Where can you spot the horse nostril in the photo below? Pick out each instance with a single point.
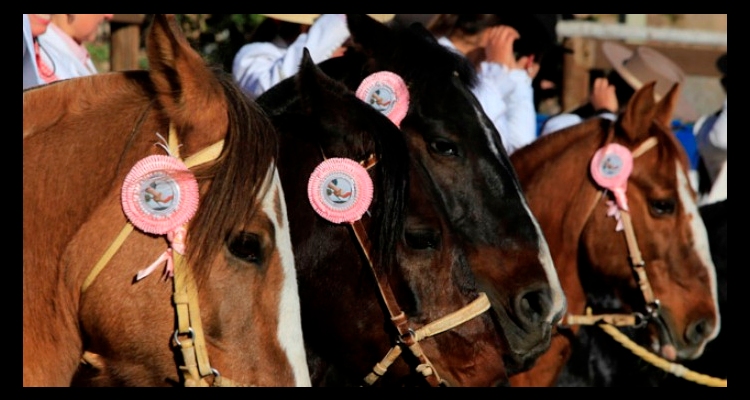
(533, 306)
(698, 331)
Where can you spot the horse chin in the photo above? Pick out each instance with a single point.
(663, 343)
(523, 347)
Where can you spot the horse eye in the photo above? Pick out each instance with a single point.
(444, 147)
(662, 207)
(246, 246)
(422, 239)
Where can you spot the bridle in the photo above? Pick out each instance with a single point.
(652, 304)
(196, 368)
(407, 336)
(610, 322)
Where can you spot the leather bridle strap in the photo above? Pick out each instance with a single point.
(473, 309)
(398, 318)
(185, 297)
(637, 263)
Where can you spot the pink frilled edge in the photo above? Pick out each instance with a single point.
(159, 194)
(387, 93)
(340, 190)
(611, 167)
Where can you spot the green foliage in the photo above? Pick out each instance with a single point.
(218, 37)
(99, 52)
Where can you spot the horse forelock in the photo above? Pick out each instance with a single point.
(236, 177)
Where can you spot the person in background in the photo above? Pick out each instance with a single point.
(33, 26)
(631, 69)
(711, 138)
(276, 47)
(506, 50)
(63, 45)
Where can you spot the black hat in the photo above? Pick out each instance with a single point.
(538, 32)
(721, 63)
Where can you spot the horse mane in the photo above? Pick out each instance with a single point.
(421, 56)
(250, 148)
(310, 95)
(551, 146)
(418, 58)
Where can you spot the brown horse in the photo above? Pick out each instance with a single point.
(388, 297)
(233, 315)
(461, 156)
(628, 244)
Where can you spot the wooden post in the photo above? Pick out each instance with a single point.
(576, 66)
(125, 41)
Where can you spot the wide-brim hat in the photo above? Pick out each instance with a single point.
(643, 65)
(308, 19)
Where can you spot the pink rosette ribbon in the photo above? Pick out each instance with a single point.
(387, 93)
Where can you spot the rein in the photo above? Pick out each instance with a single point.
(406, 335)
(196, 367)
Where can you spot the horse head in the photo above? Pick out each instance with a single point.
(173, 168)
(370, 286)
(621, 219)
(668, 232)
(460, 152)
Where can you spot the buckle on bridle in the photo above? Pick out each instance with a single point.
(653, 308)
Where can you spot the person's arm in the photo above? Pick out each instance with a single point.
(517, 120)
(718, 133)
(604, 99)
(30, 73)
(258, 66)
(558, 122)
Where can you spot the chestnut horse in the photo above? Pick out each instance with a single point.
(461, 153)
(387, 295)
(623, 226)
(123, 167)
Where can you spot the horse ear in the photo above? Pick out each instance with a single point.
(185, 86)
(317, 90)
(666, 106)
(367, 34)
(637, 117)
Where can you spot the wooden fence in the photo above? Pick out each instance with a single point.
(695, 51)
(125, 30)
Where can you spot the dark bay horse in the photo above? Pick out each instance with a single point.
(372, 286)
(171, 165)
(461, 154)
(623, 226)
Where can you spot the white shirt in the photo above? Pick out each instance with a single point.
(564, 120)
(711, 140)
(507, 97)
(64, 55)
(258, 66)
(30, 72)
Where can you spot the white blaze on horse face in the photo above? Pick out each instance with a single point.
(700, 239)
(290, 320)
(545, 256)
(559, 300)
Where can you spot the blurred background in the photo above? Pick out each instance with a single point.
(693, 41)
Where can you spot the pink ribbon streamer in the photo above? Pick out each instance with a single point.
(177, 243)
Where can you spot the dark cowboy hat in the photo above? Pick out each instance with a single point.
(538, 32)
(721, 64)
(644, 64)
